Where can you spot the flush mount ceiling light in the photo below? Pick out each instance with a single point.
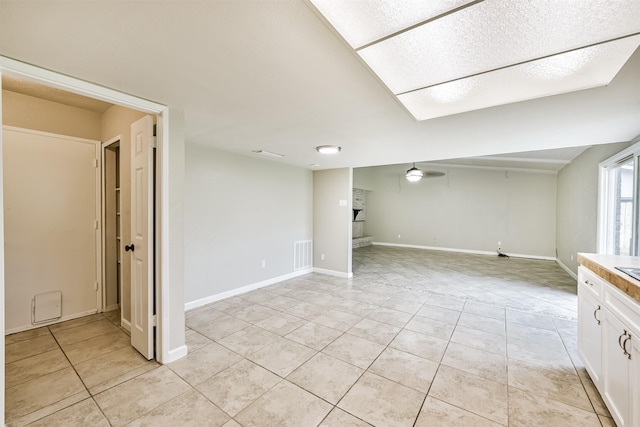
(460, 53)
(414, 174)
(328, 149)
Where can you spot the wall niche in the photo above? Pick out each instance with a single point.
(359, 217)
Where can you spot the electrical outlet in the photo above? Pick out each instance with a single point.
(571, 257)
(499, 245)
(264, 264)
(321, 257)
(399, 236)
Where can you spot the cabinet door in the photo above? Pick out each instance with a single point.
(635, 381)
(616, 375)
(590, 334)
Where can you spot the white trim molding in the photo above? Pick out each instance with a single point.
(53, 322)
(465, 251)
(342, 274)
(244, 289)
(567, 269)
(15, 68)
(177, 353)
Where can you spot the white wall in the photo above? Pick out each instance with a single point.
(468, 208)
(332, 216)
(239, 211)
(170, 204)
(577, 203)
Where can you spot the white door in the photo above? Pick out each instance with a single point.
(51, 204)
(142, 245)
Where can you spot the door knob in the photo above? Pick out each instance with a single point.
(130, 247)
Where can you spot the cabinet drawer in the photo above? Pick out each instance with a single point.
(591, 281)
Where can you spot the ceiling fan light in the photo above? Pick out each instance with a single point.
(414, 174)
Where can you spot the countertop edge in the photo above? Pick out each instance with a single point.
(603, 266)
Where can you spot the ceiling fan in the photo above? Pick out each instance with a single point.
(414, 174)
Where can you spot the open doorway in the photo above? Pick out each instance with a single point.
(128, 229)
(169, 161)
(51, 217)
(112, 297)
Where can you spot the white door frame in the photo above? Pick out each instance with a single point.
(164, 308)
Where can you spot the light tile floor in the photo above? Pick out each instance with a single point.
(415, 338)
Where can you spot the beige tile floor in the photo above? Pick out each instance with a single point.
(415, 338)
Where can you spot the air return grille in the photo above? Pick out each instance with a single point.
(302, 254)
(46, 307)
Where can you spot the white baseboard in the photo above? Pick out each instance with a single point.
(243, 290)
(176, 353)
(39, 325)
(567, 269)
(464, 251)
(125, 324)
(342, 274)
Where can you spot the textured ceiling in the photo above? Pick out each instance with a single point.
(444, 57)
(272, 75)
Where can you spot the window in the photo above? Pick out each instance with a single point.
(618, 202)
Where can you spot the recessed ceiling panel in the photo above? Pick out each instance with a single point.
(494, 34)
(362, 22)
(575, 70)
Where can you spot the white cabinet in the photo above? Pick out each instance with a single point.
(608, 344)
(616, 381)
(590, 332)
(635, 381)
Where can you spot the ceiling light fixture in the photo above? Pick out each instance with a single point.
(414, 174)
(328, 149)
(268, 154)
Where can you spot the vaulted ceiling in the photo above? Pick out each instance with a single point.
(274, 75)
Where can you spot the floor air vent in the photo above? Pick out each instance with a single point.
(302, 254)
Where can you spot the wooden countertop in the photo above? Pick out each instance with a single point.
(604, 266)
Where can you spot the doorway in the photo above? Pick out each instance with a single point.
(112, 295)
(128, 229)
(168, 247)
(66, 199)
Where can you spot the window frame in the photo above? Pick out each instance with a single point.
(605, 239)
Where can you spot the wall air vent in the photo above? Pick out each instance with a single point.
(302, 254)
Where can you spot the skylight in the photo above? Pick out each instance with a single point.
(442, 57)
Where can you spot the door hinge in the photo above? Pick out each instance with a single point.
(154, 320)
(152, 142)
(96, 286)
(96, 224)
(95, 163)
